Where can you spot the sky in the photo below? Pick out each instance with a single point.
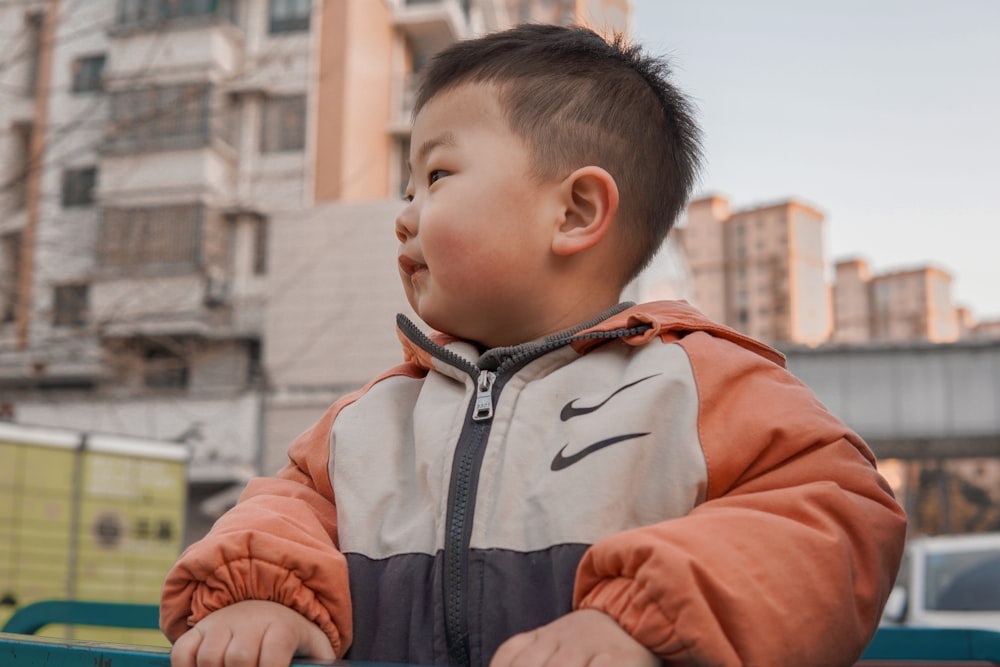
(883, 114)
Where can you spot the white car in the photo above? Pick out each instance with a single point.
(948, 581)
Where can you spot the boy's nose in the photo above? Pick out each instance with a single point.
(406, 223)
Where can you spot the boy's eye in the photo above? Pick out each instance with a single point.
(435, 175)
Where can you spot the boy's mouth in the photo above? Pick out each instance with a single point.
(409, 266)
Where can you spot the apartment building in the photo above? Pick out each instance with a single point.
(905, 305)
(164, 166)
(341, 252)
(760, 270)
(145, 145)
(605, 16)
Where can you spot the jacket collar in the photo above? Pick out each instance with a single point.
(633, 324)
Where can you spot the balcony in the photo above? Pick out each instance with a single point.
(202, 172)
(430, 25)
(167, 270)
(169, 140)
(138, 15)
(153, 118)
(202, 38)
(150, 277)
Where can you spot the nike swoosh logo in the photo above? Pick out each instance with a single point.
(568, 411)
(560, 462)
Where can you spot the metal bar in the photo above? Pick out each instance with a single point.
(30, 619)
(951, 644)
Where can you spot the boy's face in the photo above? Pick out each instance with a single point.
(475, 239)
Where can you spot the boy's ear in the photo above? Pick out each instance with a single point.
(590, 202)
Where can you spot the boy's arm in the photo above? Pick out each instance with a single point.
(279, 544)
(792, 555)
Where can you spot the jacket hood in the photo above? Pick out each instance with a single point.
(672, 320)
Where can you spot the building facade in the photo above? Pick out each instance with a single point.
(760, 270)
(161, 164)
(905, 305)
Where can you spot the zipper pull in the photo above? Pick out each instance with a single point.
(484, 396)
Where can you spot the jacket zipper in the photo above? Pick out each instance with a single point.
(461, 507)
(484, 396)
(466, 468)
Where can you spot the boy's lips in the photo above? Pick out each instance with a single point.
(410, 266)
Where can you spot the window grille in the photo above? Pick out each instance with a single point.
(162, 236)
(78, 186)
(87, 73)
(163, 367)
(149, 13)
(69, 307)
(159, 118)
(283, 124)
(10, 268)
(289, 15)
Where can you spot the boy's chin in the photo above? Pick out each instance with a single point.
(448, 327)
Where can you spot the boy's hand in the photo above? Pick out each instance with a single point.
(251, 633)
(585, 638)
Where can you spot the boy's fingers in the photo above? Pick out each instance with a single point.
(276, 651)
(529, 649)
(212, 650)
(280, 643)
(185, 649)
(504, 657)
(314, 643)
(242, 652)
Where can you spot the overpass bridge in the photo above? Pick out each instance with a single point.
(912, 400)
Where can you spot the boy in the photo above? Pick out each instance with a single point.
(555, 479)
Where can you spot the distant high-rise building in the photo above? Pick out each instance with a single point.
(913, 304)
(760, 270)
(852, 304)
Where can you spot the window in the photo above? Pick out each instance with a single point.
(162, 236)
(78, 186)
(404, 165)
(132, 12)
(289, 15)
(260, 246)
(19, 186)
(147, 13)
(255, 367)
(163, 367)
(87, 73)
(159, 118)
(33, 27)
(283, 124)
(10, 269)
(170, 9)
(69, 305)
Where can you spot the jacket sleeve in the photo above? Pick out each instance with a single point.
(278, 543)
(790, 558)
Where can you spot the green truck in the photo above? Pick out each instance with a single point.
(88, 516)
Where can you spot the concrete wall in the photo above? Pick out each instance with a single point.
(334, 295)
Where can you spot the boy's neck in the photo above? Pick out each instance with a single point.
(569, 318)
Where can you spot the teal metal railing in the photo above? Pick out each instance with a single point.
(20, 647)
(33, 617)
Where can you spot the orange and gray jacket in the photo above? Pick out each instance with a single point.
(651, 465)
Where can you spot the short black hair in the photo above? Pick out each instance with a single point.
(578, 99)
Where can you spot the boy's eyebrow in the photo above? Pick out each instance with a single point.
(446, 138)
